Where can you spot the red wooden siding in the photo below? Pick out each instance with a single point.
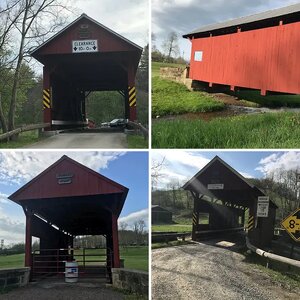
(107, 41)
(265, 59)
(83, 183)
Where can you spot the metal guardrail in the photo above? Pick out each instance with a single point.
(23, 129)
(275, 257)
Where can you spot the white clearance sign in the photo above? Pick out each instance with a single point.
(84, 46)
(262, 207)
(215, 186)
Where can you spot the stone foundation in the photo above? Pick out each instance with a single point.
(10, 278)
(131, 280)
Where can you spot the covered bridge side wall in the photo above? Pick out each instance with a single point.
(266, 59)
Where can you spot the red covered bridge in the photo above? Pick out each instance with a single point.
(64, 201)
(83, 57)
(257, 52)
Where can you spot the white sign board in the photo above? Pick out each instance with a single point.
(84, 46)
(215, 186)
(198, 56)
(262, 207)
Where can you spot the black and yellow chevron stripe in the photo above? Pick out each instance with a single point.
(132, 96)
(195, 219)
(250, 223)
(46, 98)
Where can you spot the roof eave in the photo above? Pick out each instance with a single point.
(32, 53)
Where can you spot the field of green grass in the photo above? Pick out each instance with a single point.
(272, 130)
(171, 227)
(172, 98)
(135, 258)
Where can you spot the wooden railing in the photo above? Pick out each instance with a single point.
(140, 127)
(24, 128)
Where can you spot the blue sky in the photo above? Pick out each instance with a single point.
(16, 168)
(179, 165)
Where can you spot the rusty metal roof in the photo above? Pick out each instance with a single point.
(288, 10)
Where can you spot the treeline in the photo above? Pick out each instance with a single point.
(135, 236)
(282, 187)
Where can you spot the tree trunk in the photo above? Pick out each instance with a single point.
(2, 118)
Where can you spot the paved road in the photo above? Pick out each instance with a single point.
(201, 271)
(62, 291)
(103, 140)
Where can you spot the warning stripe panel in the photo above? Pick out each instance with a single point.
(46, 98)
(250, 223)
(132, 96)
(195, 219)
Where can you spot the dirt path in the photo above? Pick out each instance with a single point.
(62, 291)
(201, 271)
(103, 140)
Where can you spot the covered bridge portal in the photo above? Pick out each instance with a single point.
(255, 52)
(85, 56)
(64, 201)
(223, 195)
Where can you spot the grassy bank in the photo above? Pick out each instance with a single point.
(269, 101)
(135, 258)
(274, 130)
(136, 142)
(172, 98)
(24, 139)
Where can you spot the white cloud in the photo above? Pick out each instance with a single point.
(19, 167)
(280, 162)
(135, 216)
(11, 231)
(3, 198)
(129, 18)
(179, 166)
(246, 175)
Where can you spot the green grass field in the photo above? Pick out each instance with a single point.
(135, 258)
(273, 130)
(172, 98)
(172, 227)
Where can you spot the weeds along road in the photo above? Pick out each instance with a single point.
(103, 140)
(201, 271)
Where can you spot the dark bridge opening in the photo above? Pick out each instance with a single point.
(227, 198)
(71, 72)
(65, 201)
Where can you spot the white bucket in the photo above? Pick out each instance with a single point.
(71, 273)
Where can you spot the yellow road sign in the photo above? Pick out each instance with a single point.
(292, 225)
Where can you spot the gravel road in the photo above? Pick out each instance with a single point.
(79, 291)
(103, 140)
(201, 271)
